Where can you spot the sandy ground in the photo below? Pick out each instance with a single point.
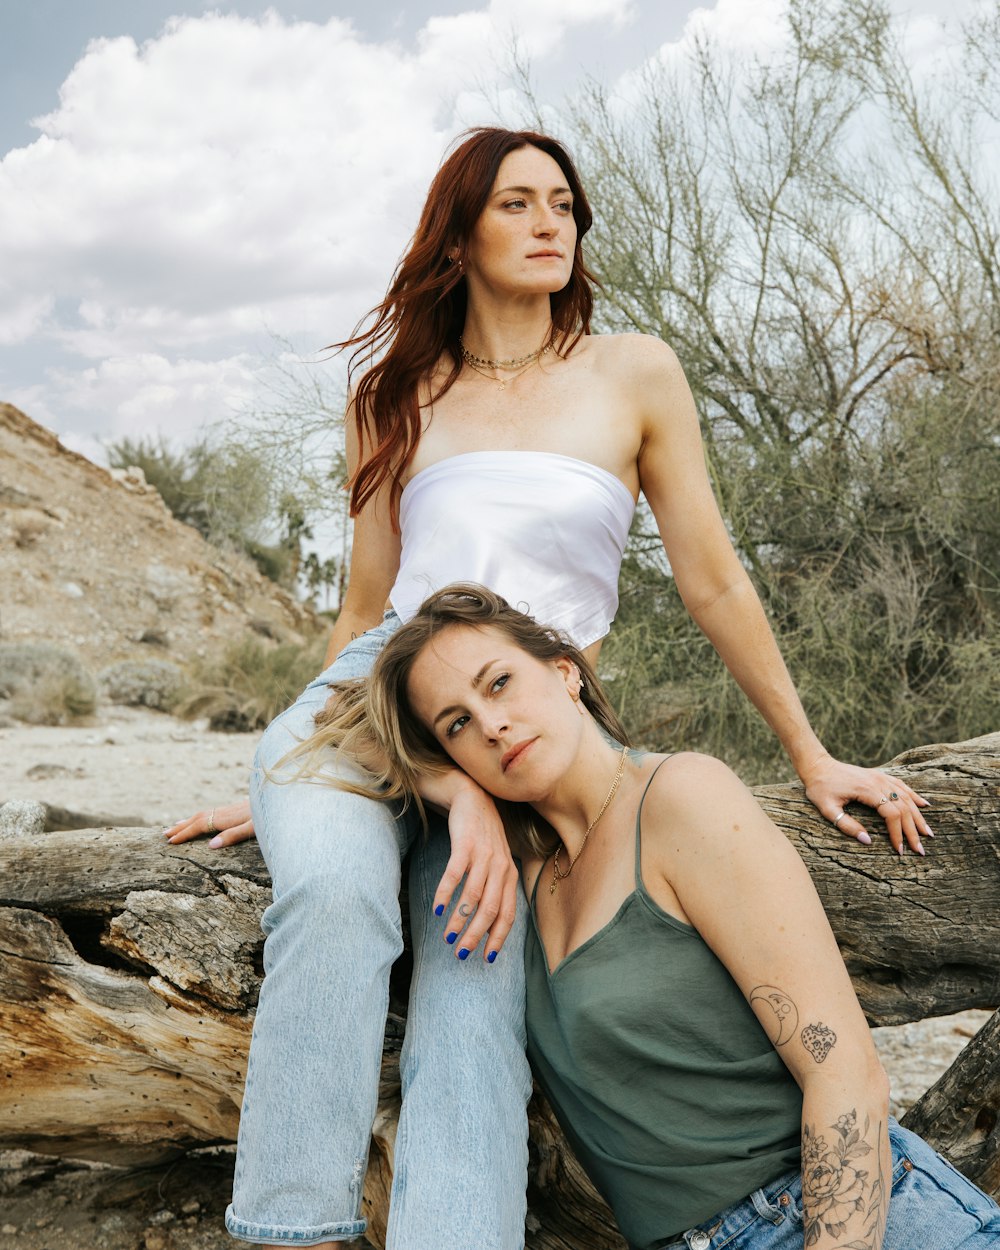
(131, 762)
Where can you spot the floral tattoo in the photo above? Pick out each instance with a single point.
(833, 1185)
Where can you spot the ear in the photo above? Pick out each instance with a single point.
(571, 675)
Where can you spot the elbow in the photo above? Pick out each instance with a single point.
(877, 1083)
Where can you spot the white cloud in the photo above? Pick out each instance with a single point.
(233, 174)
(141, 393)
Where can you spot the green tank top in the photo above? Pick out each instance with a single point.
(661, 1076)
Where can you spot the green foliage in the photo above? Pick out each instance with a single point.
(818, 240)
(156, 684)
(46, 684)
(246, 685)
(228, 492)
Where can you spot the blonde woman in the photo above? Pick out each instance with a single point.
(688, 1012)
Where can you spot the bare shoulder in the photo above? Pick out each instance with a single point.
(696, 799)
(640, 356)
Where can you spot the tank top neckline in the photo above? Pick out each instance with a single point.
(638, 891)
(522, 451)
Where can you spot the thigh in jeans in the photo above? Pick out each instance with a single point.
(931, 1207)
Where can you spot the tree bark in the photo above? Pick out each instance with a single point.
(129, 972)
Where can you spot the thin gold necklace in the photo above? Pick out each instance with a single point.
(557, 874)
(484, 362)
(502, 382)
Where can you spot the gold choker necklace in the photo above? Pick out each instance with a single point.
(483, 362)
(557, 873)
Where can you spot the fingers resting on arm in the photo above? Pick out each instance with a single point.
(226, 825)
(481, 864)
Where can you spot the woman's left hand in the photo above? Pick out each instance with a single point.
(831, 783)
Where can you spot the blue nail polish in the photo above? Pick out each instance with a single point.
(491, 956)
(439, 910)
(450, 939)
(463, 953)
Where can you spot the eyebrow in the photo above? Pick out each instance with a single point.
(447, 711)
(533, 190)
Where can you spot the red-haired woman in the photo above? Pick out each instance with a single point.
(495, 441)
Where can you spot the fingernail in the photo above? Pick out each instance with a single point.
(439, 910)
(920, 850)
(215, 842)
(491, 956)
(902, 847)
(463, 953)
(450, 939)
(865, 838)
(928, 831)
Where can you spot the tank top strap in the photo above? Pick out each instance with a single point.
(640, 887)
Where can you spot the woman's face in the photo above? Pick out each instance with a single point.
(505, 718)
(524, 240)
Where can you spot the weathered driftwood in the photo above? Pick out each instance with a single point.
(129, 971)
(960, 1113)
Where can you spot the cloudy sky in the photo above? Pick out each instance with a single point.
(183, 187)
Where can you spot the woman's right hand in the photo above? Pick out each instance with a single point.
(481, 854)
(229, 825)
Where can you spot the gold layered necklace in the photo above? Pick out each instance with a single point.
(557, 873)
(521, 363)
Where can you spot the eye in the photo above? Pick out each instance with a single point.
(564, 206)
(456, 726)
(498, 683)
(517, 203)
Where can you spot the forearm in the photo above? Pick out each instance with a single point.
(441, 790)
(846, 1163)
(349, 624)
(736, 625)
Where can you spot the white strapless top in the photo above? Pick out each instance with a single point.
(546, 531)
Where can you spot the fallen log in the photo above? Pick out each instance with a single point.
(130, 971)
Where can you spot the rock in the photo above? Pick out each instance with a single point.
(130, 561)
(50, 772)
(21, 817)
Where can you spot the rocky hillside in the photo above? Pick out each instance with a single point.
(94, 561)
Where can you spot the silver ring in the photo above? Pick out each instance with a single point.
(883, 799)
(838, 819)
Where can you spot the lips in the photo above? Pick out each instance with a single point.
(545, 256)
(514, 754)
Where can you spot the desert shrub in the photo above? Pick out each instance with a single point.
(46, 685)
(817, 239)
(247, 684)
(156, 684)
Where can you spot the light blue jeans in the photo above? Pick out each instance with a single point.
(333, 932)
(932, 1207)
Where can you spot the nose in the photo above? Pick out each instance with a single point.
(546, 223)
(494, 726)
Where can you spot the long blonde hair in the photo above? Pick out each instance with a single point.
(371, 720)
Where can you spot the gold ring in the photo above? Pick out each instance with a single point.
(212, 827)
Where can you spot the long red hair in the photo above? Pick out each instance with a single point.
(423, 313)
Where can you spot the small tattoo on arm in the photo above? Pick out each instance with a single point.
(818, 1040)
(778, 1014)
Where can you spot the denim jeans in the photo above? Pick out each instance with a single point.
(932, 1207)
(332, 932)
